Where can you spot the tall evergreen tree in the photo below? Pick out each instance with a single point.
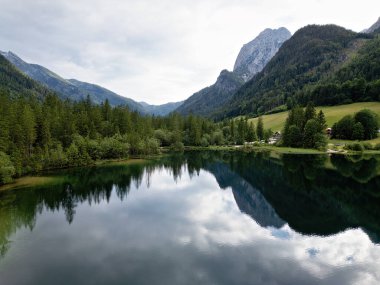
(260, 128)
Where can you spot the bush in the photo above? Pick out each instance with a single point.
(7, 170)
(57, 157)
(205, 140)
(367, 146)
(355, 147)
(163, 136)
(113, 148)
(377, 146)
(177, 147)
(152, 146)
(217, 138)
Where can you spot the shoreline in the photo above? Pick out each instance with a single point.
(34, 178)
(42, 177)
(280, 150)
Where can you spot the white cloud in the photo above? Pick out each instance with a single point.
(156, 51)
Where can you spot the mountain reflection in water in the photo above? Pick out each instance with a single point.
(320, 206)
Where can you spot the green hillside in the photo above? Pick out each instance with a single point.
(327, 65)
(333, 114)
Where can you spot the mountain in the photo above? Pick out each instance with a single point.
(207, 100)
(248, 198)
(252, 58)
(160, 110)
(69, 89)
(77, 90)
(311, 56)
(14, 81)
(98, 94)
(254, 55)
(375, 27)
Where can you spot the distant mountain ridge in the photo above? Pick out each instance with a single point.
(160, 110)
(252, 58)
(77, 90)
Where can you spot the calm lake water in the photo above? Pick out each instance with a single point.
(198, 218)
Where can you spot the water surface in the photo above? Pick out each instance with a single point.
(198, 218)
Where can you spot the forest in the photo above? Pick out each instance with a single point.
(48, 133)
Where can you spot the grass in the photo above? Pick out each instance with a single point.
(335, 141)
(333, 114)
(259, 148)
(28, 181)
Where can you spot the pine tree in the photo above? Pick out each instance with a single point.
(310, 112)
(28, 126)
(321, 121)
(260, 128)
(251, 134)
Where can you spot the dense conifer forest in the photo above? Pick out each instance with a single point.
(38, 130)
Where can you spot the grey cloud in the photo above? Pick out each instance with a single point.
(155, 50)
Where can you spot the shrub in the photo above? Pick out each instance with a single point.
(163, 136)
(367, 146)
(205, 141)
(57, 157)
(113, 148)
(355, 147)
(177, 147)
(7, 169)
(377, 146)
(152, 146)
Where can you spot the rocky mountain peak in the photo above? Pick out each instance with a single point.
(254, 55)
(227, 81)
(373, 28)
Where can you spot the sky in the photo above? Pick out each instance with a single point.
(157, 51)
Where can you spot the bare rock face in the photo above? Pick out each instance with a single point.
(251, 60)
(373, 28)
(254, 55)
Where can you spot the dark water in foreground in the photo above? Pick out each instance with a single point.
(198, 218)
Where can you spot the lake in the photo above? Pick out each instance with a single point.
(197, 218)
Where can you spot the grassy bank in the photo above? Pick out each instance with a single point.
(280, 150)
(47, 176)
(259, 148)
(333, 114)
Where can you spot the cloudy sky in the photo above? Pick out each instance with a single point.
(157, 51)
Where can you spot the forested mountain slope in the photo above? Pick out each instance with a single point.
(210, 98)
(17, 84)
(314, 55)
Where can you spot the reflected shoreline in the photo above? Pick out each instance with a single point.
(315, 194)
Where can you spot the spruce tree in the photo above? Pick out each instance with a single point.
(260, 128)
